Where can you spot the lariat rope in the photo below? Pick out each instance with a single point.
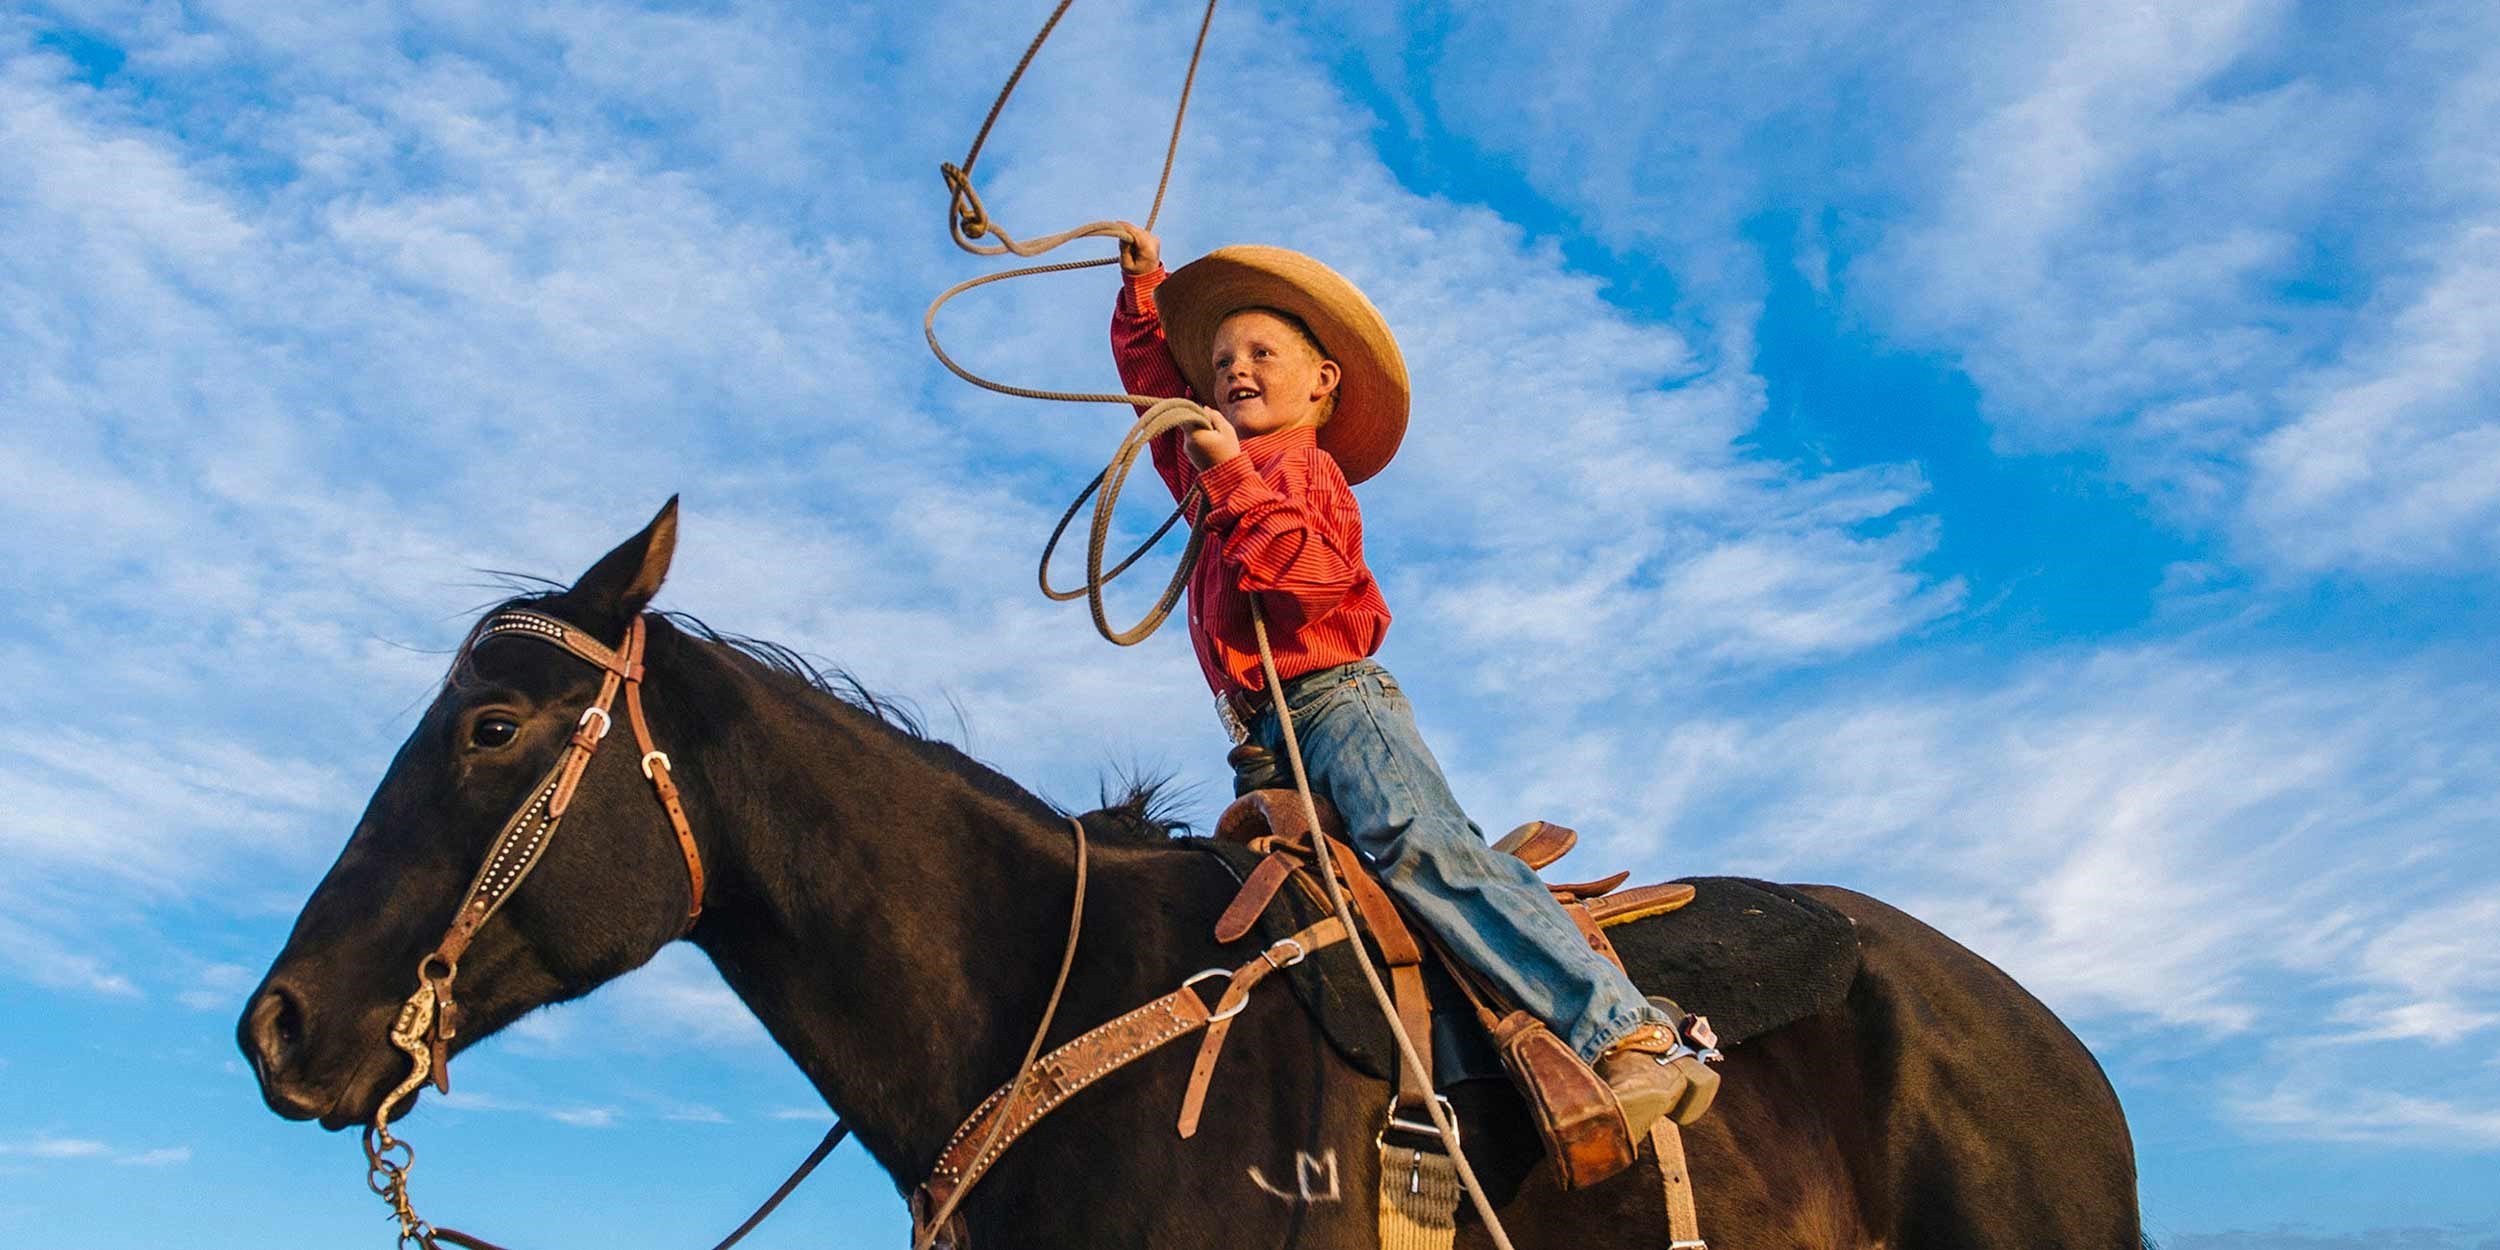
(968, 221)
(1441, 1123)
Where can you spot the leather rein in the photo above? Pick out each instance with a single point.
(430, 1018)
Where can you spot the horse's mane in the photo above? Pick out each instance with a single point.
(1137, 807)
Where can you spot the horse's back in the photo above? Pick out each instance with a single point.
(1936, 1105)
(1986, 1122)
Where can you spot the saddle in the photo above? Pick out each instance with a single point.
(1575, 1113)
(1761, 955)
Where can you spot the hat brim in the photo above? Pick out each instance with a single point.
(1372, 390)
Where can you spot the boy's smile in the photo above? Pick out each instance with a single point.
(1268, 376)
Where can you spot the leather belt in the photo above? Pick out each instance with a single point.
(1240, 709)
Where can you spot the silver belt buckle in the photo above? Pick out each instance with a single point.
(1233, 726)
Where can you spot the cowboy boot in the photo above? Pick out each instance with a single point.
(1653, 1073)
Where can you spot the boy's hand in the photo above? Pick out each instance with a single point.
(1209, 448)
(1141, 252)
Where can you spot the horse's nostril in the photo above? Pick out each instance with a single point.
(277, 1025)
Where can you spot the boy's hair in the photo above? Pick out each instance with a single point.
(1328, 406)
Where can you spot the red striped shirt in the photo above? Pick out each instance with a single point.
(1284, 526)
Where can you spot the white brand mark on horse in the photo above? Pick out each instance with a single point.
(1315, 1179)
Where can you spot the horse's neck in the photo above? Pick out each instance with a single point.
(896, 930)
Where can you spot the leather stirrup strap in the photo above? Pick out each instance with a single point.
(1666, 1143)
(1399, 949)
(1388, 926)
(1404, 954)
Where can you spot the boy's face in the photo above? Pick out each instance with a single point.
(1267, 378)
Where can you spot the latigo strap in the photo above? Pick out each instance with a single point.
(1015, 1107)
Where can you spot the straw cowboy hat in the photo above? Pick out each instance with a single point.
(1372, 392)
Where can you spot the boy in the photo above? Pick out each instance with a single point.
(1312, 392)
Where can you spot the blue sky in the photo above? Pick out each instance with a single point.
(2034, 463)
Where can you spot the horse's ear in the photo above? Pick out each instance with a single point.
(621, 584)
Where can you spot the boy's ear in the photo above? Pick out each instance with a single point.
(1329, 376)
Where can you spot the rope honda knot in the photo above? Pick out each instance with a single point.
(971, 219)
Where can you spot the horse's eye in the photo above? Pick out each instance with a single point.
(493, 731)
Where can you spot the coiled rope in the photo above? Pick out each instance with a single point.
(968, 223)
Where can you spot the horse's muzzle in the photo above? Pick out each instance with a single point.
(272, 1035)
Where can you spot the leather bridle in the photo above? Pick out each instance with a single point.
(524, 838)
(430, 1018)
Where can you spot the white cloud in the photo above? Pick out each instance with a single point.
(2434, 973)
(477, 306)
(2240, 252)
(49, 1147)
(276, 381)
(2324, 1108)
(153, 808)
(2150, 834)
(44, 1146)
(574, 1115)
(2396, 461)
(161, 1157)
(677, 998)
(2296, 1237)
(217, 987)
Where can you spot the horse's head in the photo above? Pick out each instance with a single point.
(603, 897)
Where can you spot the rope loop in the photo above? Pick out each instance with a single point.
(969, 223)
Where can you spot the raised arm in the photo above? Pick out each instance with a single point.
(1137, 345)
(1139, 350)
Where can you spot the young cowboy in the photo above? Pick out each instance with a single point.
(1312, 394)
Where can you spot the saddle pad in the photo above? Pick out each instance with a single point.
(1751, 955)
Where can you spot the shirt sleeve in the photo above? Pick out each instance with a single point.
(1146, 368)
(1297, 542)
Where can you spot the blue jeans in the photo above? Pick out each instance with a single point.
(1490, 910)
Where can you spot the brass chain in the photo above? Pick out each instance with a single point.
(384, 1175)
(388, 1177)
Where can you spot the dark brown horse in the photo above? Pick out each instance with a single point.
(893, 912)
